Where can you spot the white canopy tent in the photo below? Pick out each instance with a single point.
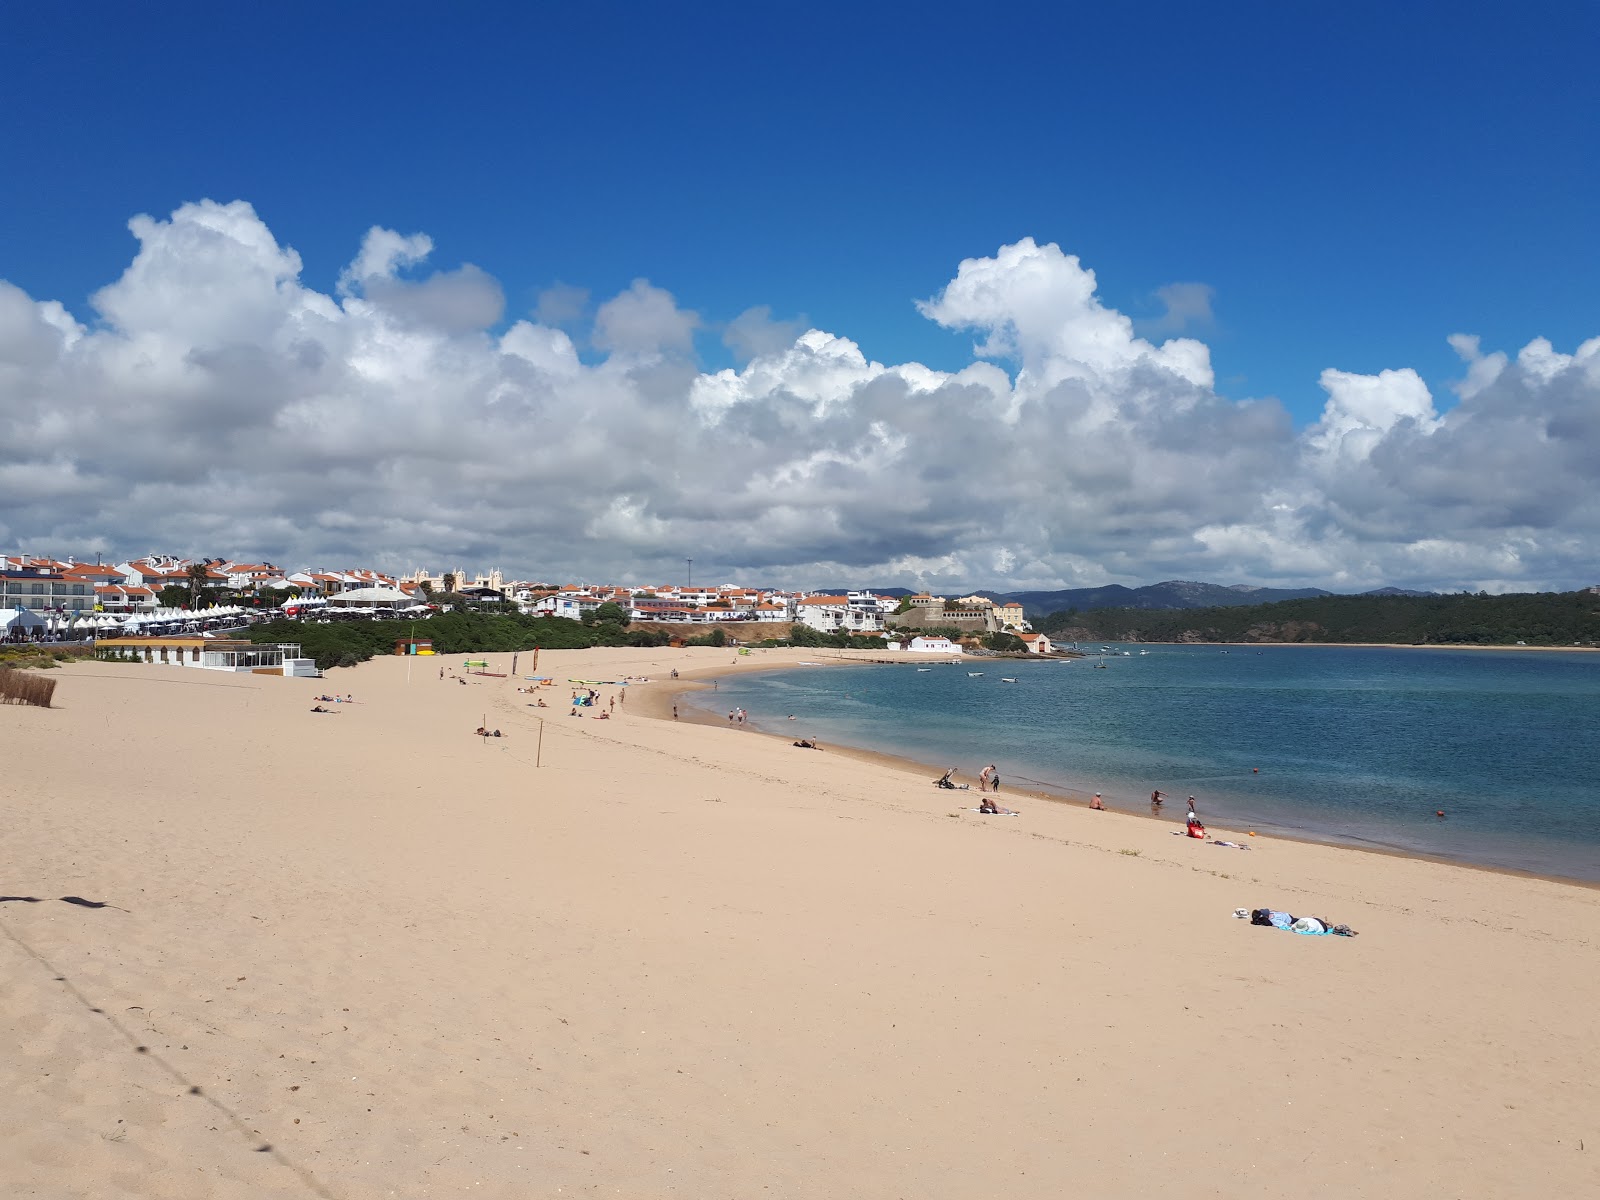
(19, 622)
(371, 597)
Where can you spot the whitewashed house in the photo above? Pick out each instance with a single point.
(838, 614)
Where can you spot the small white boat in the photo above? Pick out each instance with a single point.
(1007, 679)
(974, 674)
(921, 670)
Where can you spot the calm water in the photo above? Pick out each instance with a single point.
(1341, 744)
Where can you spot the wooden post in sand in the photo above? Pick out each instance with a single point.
(538, 752)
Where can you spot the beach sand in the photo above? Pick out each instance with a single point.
(372, 955)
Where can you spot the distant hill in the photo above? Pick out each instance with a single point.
(1174, 594)
(1534, 619)
(1394, 591)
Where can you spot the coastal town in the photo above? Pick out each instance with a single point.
(50, 598)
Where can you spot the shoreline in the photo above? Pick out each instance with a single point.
(1064, 794)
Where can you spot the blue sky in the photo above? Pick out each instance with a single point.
(1356, 182)
(1352, 183)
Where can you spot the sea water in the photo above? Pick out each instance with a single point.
(1344, 744)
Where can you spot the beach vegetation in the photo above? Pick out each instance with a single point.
(24, 687)
(716, 637)
(610, 613)
(460, 631)
(804, 635)
(38, 656)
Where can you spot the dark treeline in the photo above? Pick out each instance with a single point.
(1537, 618)
(344, 644)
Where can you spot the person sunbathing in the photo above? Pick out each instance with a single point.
(987, 805)
(807, 744)
(320, 709)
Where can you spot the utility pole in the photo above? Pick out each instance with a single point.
(689, 582)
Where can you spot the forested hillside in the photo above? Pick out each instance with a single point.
(1538, 618)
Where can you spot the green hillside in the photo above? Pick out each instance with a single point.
(1537, 619)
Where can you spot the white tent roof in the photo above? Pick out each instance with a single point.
(371, 595)
(20, 618)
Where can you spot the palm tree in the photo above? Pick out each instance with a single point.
(449, 582)
(198, 575)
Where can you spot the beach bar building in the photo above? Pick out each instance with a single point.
(211, 654)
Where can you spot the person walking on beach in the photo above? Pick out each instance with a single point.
(994, 779)
(983, 780)
(674, 712)
(613, 704)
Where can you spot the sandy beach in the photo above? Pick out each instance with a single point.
(252, 951)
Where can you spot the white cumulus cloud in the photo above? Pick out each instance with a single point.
(213, 403)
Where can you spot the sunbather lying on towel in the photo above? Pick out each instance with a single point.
(1283, 920)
